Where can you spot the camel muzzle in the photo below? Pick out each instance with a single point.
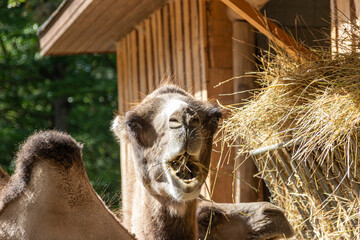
(186, 172)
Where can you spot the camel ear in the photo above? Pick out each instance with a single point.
(117, 127)
(213, 116)
(216, 114)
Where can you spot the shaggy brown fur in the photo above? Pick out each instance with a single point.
(49, 146)
(170, 133)
(50, 197)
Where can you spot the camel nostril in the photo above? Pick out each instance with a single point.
(272, 211)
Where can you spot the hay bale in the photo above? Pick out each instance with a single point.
(309, 114)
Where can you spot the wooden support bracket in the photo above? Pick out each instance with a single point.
(268, 28)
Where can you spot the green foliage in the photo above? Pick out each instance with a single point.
(15, 3)
(29, 85)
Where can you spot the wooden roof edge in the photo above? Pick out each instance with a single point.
(50, 53)
(51, 33)
(53, 18)
(60, 22)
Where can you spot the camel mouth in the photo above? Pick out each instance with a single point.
(185, 168)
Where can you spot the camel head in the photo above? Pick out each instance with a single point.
(256, 221)
(171, 135)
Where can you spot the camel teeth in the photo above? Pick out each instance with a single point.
(188, 180)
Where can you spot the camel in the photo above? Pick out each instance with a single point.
(241, 221)
(4, 178)
(50, 197)
(171, 137)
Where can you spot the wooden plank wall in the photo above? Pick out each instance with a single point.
(166, 46)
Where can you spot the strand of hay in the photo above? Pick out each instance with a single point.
(309, 114)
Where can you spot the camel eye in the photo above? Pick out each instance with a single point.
(195, 122)
(216, 116)
(174, 123)
(133, 125)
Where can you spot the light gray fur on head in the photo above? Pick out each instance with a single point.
(168, 124)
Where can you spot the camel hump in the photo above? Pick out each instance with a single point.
(50, 145)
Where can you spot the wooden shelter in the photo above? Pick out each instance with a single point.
(194, 42)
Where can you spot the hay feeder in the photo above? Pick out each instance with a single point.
(323, 194)
(302, 131)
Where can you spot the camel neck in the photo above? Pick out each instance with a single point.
(164, 222)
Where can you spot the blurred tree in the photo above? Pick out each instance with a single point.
(72, 93)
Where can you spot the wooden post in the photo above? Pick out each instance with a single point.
(243, 46)
(217, 33)
(243, 62)
(123, 98)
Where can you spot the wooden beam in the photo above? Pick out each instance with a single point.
(155, 48)
(167, 43)
(179, 41)
(204, 67)
(195, 48)
(134, 66)
(149, 57)
(142, 61)
(160, 43)
(174, 52)
(268, 28)
(187, 47)
(120, 78)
